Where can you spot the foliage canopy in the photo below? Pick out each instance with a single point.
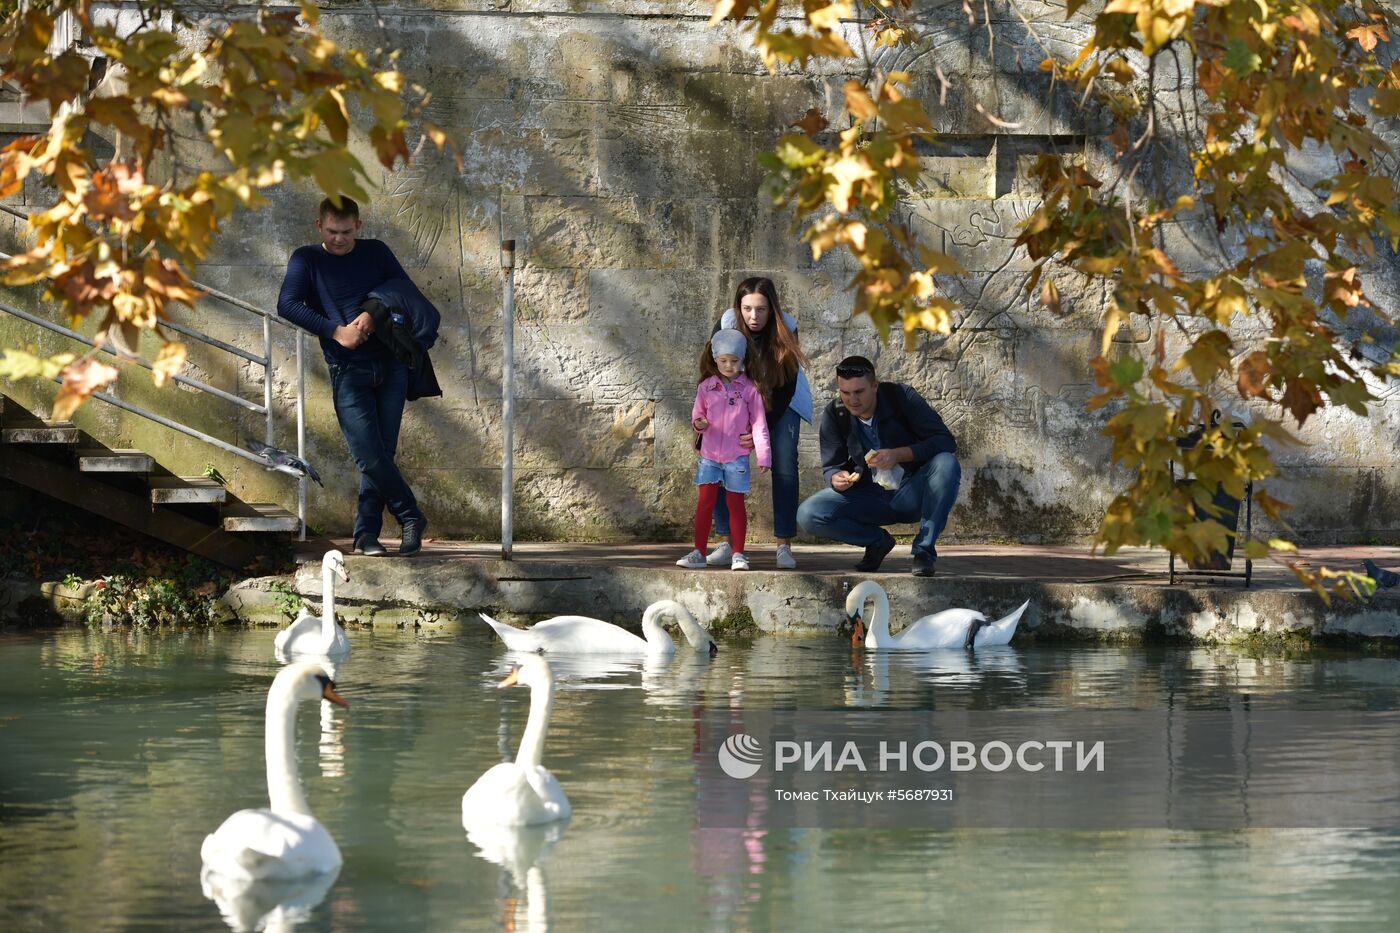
(262, 94)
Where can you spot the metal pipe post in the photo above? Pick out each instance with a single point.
(507, 399)
(301, 426)
(267, 378)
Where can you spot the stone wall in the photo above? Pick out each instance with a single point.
(616, 142)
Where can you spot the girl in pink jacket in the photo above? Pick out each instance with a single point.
(727, 404)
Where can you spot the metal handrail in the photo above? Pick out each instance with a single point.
(265, 361)
(182, 380)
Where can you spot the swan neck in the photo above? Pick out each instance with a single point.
(880, 618)
(284, 791)
(694, 632)
(328, 605)
(531, 751)
(658, 639)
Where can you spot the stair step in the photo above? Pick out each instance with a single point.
(49, 432)
(115, 461)
(187, 490)
(260, 516)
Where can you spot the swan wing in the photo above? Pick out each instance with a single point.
(1001, 631)
(260, 844)
(297, 636)
(550, 793)
(341, 645)
(506, 795)
(306, 638)
(570, 634)
(946, 629)
(516, 639)
(582, 635)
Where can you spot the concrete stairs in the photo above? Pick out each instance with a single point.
(130, 487)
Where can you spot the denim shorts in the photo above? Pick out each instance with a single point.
(734, 474)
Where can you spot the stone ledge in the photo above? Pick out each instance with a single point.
(447, 590)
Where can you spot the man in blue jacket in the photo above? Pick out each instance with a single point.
(324, 290)
(888, 458)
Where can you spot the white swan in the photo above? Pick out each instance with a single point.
(951, 628)
(310, 635)
(582, 635)
(521, 792)
(285, 841)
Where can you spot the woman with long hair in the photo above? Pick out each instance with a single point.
(776, 368)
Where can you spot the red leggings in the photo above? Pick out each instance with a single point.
(738, 517)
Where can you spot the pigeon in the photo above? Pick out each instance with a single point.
(1385, 579)
(283, 462)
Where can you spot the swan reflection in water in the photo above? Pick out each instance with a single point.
(267, 904)
(520, 851)
(665, 680)
(869, 682)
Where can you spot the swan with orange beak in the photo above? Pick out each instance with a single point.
(521, 792)
(951, 628)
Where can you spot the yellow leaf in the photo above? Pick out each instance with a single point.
(859, 102)
(845, 173)
(168, 364)
(80, 380)
(1368, 36)
(829, 18)
(722, 11)
(389, 80)
(936, 318)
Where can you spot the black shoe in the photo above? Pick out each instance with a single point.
(369, 546)
(923, 565)
(412, 541)
(875, 554)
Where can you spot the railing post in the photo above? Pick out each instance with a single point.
(507, 398)
(301, 426)
(267, 377)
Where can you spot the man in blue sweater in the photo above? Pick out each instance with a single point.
(325, 287)
(888, 458)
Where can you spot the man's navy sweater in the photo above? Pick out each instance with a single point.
(323, 291)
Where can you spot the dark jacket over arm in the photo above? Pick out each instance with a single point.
(904, 419)
(410, 341)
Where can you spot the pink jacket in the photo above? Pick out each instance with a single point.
(731, 410)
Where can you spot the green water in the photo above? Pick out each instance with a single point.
(119, 752)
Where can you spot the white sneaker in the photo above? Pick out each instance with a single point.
(785, 559)
(739, 562)
(692, 561)
(720, 555)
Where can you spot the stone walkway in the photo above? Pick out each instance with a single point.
(984, 562)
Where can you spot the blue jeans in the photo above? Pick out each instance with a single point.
(782, 435)
(369, 398)
(858, 515)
